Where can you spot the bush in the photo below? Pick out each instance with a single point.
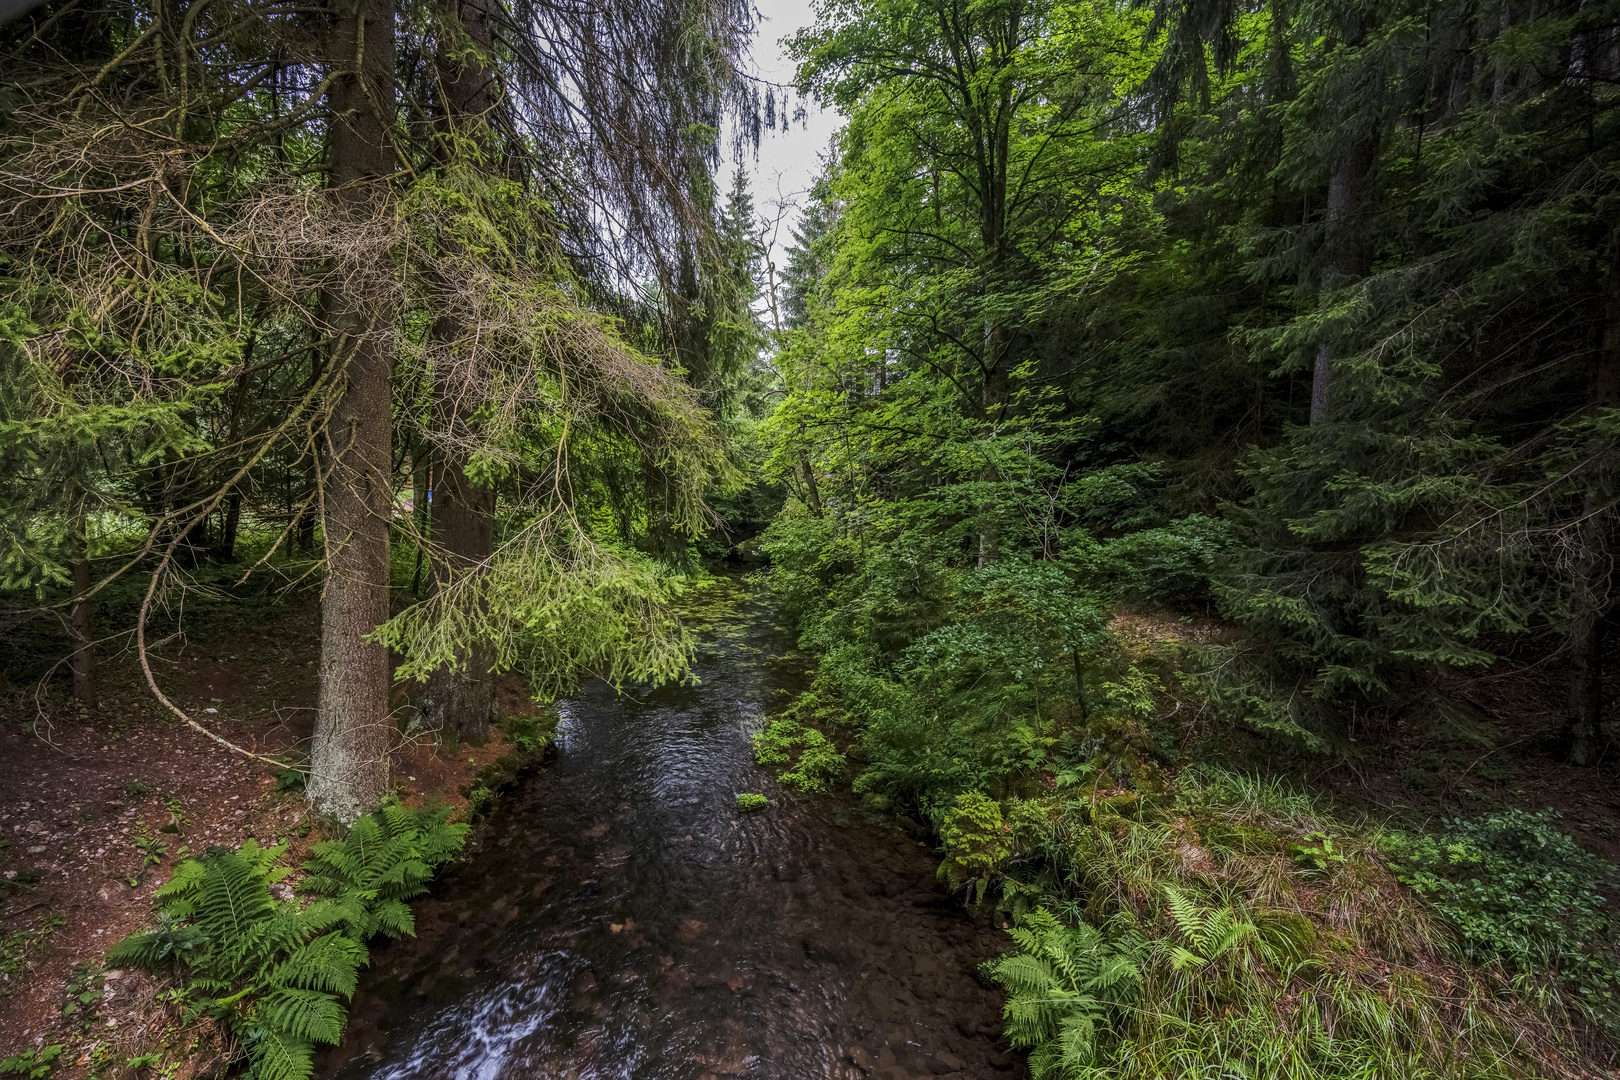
(819, 760)
(976, 842)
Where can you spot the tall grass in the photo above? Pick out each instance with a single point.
(1264, 940)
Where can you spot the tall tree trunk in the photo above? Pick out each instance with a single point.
(1594, 581)
(353, 736)
(812, 492)
(226, 548)
(460, 700)
(83, 661)
(1344, 255)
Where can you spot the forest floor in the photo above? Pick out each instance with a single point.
(98, 804)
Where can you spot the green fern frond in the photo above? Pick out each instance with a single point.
(330, 963)
(278, 1056)
(302, 1014)
(1188, 919)
(274, 970)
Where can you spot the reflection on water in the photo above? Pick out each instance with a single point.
(619, 918)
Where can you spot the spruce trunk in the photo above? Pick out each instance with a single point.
(1594, 589)
(1344, 255)
(353, 736)
(460, 699)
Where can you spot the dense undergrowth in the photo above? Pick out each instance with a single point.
(1172, 917)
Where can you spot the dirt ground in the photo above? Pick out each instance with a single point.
(98, 804)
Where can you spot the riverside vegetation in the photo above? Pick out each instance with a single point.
(1161, 404)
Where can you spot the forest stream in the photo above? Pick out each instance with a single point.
(618, 917)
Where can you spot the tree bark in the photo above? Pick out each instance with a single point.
(83, 661)
(461, 700)
(226, 548)
(353, 735)
(812, 492)
(1594, 578)
(1345, 257)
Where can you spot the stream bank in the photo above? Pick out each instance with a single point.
(618, 917)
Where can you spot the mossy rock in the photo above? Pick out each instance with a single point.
(749, 802)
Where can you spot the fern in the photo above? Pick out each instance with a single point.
(275, 971)
(1064, 986)
(386, 859)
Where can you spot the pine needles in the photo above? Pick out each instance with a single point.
(274, 971)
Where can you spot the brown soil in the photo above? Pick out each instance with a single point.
(98, 804)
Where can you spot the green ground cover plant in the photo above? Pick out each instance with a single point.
(1523, 895)
(818, 761)
(275, 970)
(1185, 937)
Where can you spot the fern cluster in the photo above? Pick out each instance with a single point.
(1065, 988)
(275, 971)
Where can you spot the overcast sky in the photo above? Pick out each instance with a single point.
(788, 161)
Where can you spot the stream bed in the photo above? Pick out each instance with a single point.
(618, 918)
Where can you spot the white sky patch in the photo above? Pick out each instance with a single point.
(788, 161)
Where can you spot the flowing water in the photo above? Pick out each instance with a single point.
(617, 917)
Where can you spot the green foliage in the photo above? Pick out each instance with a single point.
(748, 802)
(16, 946)
(1524, 895)
(294, 777)
(976, 842)
(32, 1063)
(274, 970)
(819, 762)
(386, 858)
(1065, 988)
(1180, 936)
(1315, 851)
(81, 996)
(531, 734)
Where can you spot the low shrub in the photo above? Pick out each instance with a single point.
(819, 761)
(1523, 895)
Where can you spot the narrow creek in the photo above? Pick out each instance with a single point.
(619, 918)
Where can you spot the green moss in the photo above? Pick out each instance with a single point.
(749, 801)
